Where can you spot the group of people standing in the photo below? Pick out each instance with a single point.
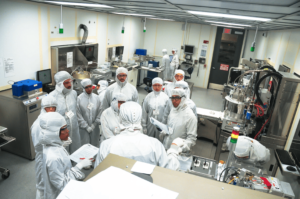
(113, 121)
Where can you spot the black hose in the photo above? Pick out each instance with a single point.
(268, 67)
(85, 34)
(279, 76)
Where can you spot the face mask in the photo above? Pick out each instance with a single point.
(66, 143)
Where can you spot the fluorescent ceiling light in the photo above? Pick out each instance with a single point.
(233, 24)
(229, 16)
(162, 19)
(226, 26)
(79, 4)
(132, 14)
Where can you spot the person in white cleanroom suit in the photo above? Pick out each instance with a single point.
(66, 99)
(154, 106)
(175, 61)
(48, 104)
(88, 114)
(110, 120)
(179, 76)
(133, 144)
(57, 167)
(168, 72)
(101, 89)
(189, 102)
(250, 151)
(121, 86)
(181, 122)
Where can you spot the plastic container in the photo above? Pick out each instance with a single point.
(141, 52)
(18, 88)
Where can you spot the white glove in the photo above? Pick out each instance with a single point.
(179, 142)
(174, 149)
(93, 127)
(84, 163)
(145, 131)
(67, 142)
(89, 129)
(162, 135)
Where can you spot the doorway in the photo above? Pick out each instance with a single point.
(228, 47)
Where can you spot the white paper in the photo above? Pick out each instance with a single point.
(141, 167)
(117, 183)
(86, 151)
(9, 68)
(69, 59)
(160, 125)
(78, 190)
(204, 47)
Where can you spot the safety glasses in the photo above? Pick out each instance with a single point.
(175, 98)
(64, 128)
(122, 76)
(90, 86)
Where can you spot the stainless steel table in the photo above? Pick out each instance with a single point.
(4, 140)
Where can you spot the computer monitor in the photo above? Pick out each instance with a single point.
(119, 50)
(44, 76)
(188, 49)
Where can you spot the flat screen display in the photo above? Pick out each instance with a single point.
(188, 49)
(44, 76)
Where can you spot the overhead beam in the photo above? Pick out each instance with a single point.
(297, 4)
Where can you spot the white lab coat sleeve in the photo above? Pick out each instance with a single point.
(135, 96)
(176, 62)
(58, 178)
(167, 111)
(82, 123)
(163, 64)
(102, 153)
(97, 120)
(145, 112)
(173, 162)
(191, 127)
(106, 132)
(106, 102)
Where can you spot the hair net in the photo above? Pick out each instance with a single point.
(116, 98)
(47, 102)
(103, 84)
(178, 91)
(59, 78)
(131, 116)
(86, 82)
(179, 72)
(157, 80)
(164, 51)
(121, 70)
(50, 124)
(182, 84)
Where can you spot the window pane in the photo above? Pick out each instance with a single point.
(227, 48)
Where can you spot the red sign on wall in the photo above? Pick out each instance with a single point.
(205, 41)
(227, 31)
(224, 67)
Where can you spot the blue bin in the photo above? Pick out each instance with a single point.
(151, 74)
(27, 85)
(141, 52)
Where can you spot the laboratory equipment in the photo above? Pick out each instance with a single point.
(100, 74)
(4, 139)
(45, 77)
(284, 68)
(286, 163)
(201, 166)
(189, 49)
(115, 55)
(26, 88)
(20, 113)
(71, 57)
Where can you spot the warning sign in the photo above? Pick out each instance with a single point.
(224, 67)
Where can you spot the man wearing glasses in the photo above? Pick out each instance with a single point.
(121, 86)
(66, 99)
(182, 123)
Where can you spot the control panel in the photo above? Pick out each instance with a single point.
(34, 99)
